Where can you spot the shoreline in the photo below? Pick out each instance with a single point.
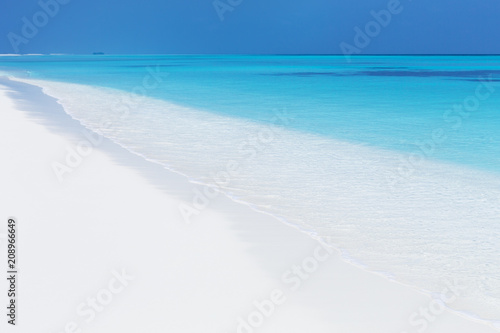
(240, 229)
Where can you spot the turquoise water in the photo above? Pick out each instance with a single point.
(390, 102)
(393, 158)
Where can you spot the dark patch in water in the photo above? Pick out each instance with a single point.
(402, 73)
(424, 73)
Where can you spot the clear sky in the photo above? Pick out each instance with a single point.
(250, 26)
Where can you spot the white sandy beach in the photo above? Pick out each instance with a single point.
(107, 250)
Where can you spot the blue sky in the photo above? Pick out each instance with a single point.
(249, 26)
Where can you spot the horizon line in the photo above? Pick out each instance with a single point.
(254, 54)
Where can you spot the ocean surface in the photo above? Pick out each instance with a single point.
(394, 159)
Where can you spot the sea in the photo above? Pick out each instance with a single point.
(394, 160)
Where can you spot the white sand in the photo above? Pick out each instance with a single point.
(117, 212)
